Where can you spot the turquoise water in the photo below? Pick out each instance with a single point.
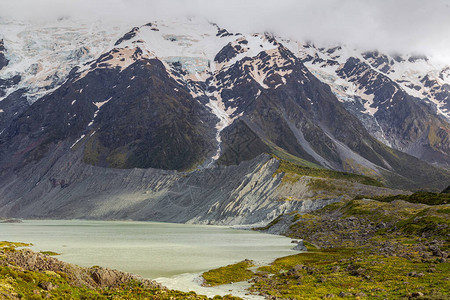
(149, 249)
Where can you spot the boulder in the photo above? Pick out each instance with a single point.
(300, 246)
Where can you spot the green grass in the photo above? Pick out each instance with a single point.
(380, 211)
(401, 220)
(323, 185)
(282, 155)
(444, 211)
(428, 198)
(354, 271)
(4, 244)
(291, 168)
(51, 253)
(228, 274)
(433, 225)
(309, 246)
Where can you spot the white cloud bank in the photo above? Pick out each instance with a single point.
(418, 26)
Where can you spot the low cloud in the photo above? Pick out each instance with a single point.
(413, 26)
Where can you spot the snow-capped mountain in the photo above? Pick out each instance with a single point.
(188, 94)
(392, 95)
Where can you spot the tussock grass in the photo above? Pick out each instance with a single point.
(428, 198)
(228, 274)
(291, 168)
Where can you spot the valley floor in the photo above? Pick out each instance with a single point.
(360, 249)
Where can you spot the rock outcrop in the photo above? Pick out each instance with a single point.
(94, 277)
(3, 60)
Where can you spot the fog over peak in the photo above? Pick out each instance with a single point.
(403, 26)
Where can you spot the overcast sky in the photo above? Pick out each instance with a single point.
(421, 26)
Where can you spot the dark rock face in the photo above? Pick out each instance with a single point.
(440, 92)
(129, 35)
(378, 60)
(221, 32)
(241, 144)
(147, 120)
(3, 60)
(230, 51)
(7, 83)
(447, 190)
(227, 53)
(14, 103)
(414, 58)
(408, 124)
(156, 124)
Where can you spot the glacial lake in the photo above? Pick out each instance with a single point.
(150, 249)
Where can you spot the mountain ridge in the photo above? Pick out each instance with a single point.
(198, 98)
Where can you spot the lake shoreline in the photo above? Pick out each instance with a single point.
(30, 275)
(222, 245)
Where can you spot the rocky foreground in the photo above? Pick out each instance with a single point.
(25, 274)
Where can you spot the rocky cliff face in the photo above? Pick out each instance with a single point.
(3, 60)
(68, 188)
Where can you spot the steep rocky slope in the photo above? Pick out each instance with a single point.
(137, 116)
(245, 194)
(402, 100)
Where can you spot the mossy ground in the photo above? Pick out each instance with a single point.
(228, 274)
(403, 258)
(366, 222)
(351, 272)
(49, 253)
